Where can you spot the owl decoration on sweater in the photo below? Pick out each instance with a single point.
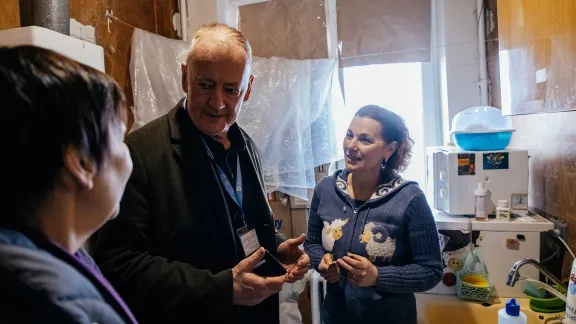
(332, 232)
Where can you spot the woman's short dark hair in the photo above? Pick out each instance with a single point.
(49, 102)
(393, 129)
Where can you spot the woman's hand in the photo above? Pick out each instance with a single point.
(360, 270)
(294, 260)
(328, 269)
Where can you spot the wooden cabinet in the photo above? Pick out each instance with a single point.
(9, 14)
(537, 55)
(537, 42)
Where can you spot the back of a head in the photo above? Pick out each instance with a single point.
(48, 103)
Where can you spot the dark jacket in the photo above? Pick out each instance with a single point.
(40, 283)
(170, 251)
(394, 229)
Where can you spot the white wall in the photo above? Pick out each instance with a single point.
(227, 13)
(456, 49)
(202, 12)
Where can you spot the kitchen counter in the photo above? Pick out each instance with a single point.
(446, 309)
(525, 221)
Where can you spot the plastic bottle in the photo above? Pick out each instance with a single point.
(570, 316)
(511, 314)
(502, 210)
(480, 209)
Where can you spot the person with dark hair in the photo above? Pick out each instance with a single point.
(371, 234)
(195, 218)
(64, 170)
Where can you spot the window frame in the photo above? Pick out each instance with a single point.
(431, 95)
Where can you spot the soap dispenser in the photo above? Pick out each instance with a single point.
(511, 314)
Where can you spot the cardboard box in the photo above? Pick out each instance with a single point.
(282, 218)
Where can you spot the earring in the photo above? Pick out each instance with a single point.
(384, 164)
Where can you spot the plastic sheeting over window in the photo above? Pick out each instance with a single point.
(291, 114)
(294, 112)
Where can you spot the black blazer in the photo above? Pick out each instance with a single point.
(170, 251)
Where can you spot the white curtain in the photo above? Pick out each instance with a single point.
(292, 113)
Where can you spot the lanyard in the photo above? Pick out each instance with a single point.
(234, 193)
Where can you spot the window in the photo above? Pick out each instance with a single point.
(405, 89)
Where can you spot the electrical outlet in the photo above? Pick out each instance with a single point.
(541, 76)
(560, 225)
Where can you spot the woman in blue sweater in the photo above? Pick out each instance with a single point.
(371, 234)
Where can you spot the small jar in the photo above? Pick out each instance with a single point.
(502, 210)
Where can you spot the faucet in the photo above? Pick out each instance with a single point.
(514, 273)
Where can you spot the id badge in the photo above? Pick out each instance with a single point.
(249, 240)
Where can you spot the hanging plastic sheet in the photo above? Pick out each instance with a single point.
(294, 112)
(156, 75)
(291, 115)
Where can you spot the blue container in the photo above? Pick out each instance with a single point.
(493, 141)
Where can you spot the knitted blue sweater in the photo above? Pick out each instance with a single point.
(394, 229)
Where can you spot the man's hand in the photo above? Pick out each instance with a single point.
(329, 269)
(294, 260)
(249, 288)
(360, 270)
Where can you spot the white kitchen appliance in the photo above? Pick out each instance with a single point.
(452, 175)
(501, 243)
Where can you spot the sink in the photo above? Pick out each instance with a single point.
(438, 309)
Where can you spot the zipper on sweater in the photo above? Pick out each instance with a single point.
(351, 235)
(354, 219)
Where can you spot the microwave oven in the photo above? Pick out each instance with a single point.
(453, 174)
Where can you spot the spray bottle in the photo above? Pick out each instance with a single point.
(480, 193)
(571, 297)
